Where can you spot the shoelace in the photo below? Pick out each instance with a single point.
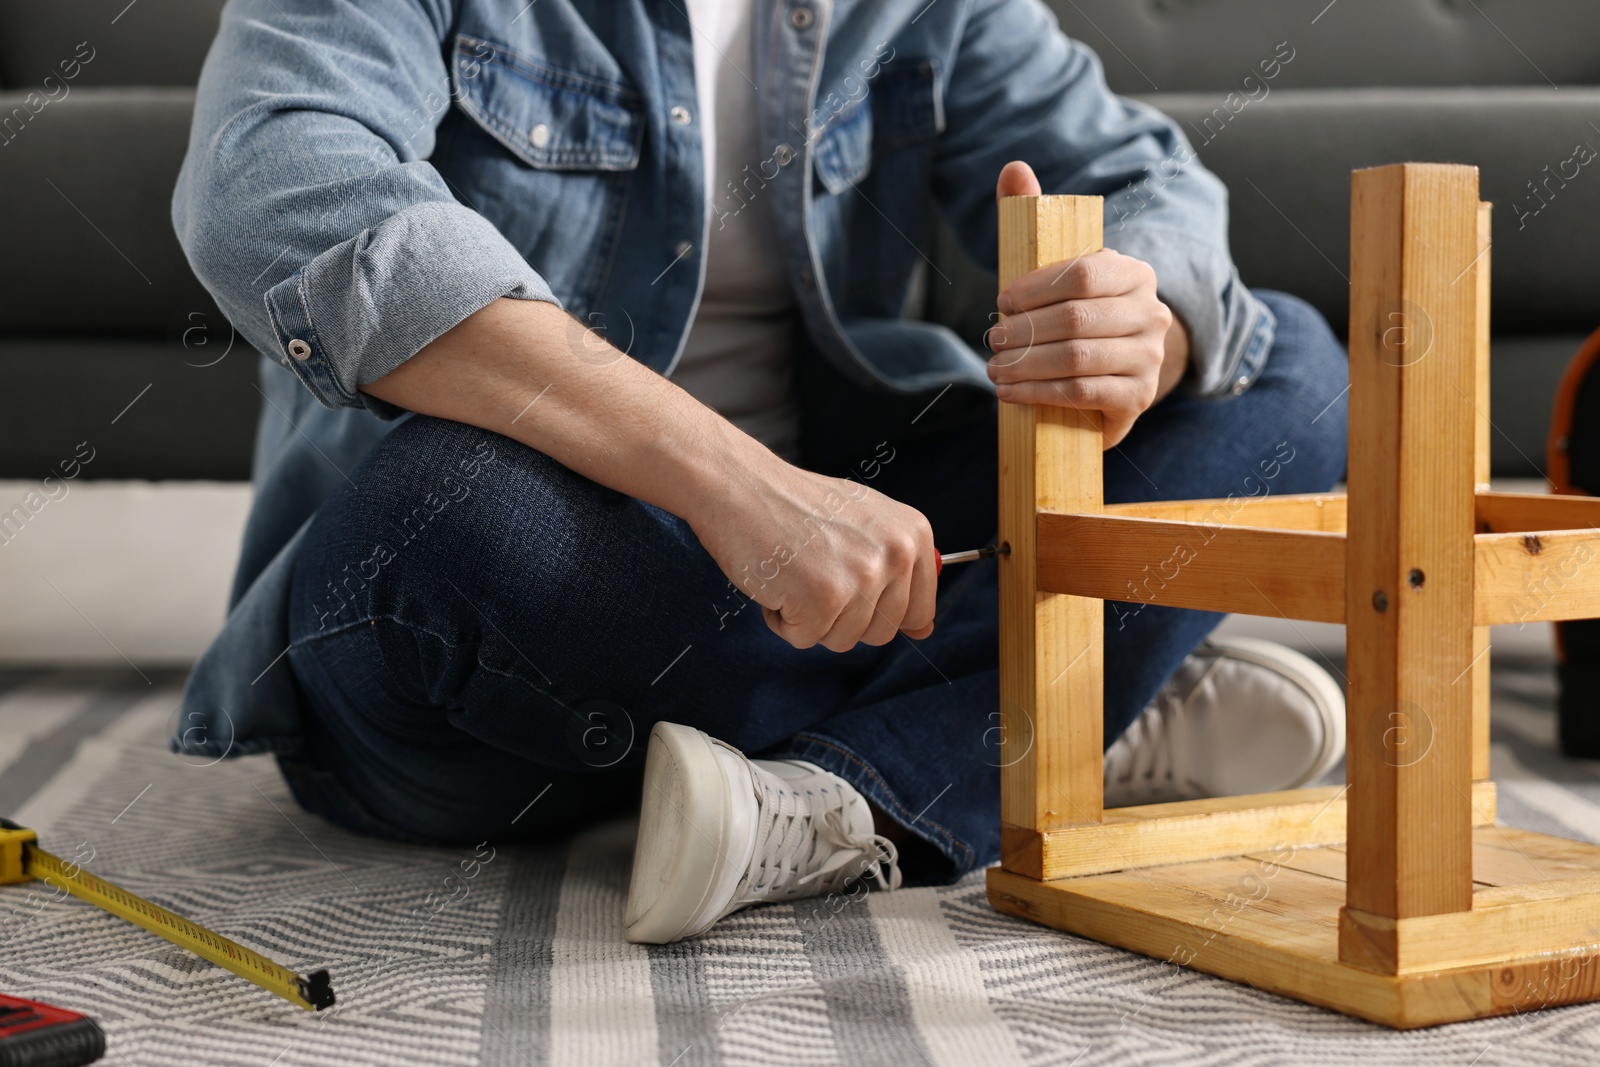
(804, 839)
(1145, 749)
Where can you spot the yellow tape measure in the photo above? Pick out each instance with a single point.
(22, 859)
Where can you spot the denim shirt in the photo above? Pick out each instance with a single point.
(362, 176)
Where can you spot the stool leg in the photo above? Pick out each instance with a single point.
(1480, 474)
(1051, 645)
(1409, 585)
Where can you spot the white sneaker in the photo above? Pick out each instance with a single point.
(1239, 716)
(719, 832)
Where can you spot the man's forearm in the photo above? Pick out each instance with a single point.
(530, 371)
(831, 562)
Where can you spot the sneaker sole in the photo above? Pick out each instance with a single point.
(1324, 691)
(686, 795)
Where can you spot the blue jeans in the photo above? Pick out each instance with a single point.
(487, 638)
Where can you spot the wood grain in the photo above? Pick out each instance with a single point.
(1482, 427)
(1525, 512)
(1292, 574)
(1480, 472)
(1536, 577)
(1289, 511)
(1163, 834)
(1413, 343)
(1501, 856)
(1506, 856)
(1504, 923)
(1444, 915)
(1274, 922)
(1051, 646)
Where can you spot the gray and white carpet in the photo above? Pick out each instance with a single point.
(523, 963)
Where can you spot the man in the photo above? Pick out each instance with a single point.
(675, 460)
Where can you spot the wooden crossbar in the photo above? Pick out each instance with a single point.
(1536, 576)
(1156, 834)
(1512, 512)
(1495, 512)
(1288, 511)
(1135, 555)
(1193, 565)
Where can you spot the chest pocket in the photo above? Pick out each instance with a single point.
(546, 155)
(549, 118)
(903, 106)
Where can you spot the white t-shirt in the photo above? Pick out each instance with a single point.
(738, 358)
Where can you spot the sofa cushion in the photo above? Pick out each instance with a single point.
(1178, 45)
(157, 42)
(174, 407)
(87, 193)
(1287, 160)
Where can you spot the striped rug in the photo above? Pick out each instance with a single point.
(523, 963)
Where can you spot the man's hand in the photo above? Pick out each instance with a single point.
(1091, 334)
(830, 561)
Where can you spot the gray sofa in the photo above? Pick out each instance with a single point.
(101, 311)
(99, 302)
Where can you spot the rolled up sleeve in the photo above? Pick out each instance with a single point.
(1021, 89)
(369, 303)
(306, 205)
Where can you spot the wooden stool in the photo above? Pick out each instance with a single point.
(1395, 898)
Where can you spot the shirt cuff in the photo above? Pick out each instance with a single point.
(368, 304)
(1230, 330)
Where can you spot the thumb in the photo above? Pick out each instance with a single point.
(1016, 179)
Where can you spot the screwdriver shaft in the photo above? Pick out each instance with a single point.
(969, 556)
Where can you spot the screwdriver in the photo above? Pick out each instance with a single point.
(969, 556)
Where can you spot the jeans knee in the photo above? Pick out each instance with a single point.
(436, 502)
(1305, 346)
(1309, 372)
(428, 457)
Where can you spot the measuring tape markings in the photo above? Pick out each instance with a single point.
(311, 993)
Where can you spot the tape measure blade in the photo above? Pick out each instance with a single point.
(187, 935)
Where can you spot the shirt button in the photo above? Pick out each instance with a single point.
(1240, 386)
(299, 350)
(539, 135)
(680, 115)
(800, 18)
(784, 155)
(684, 247)
(807, 280)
